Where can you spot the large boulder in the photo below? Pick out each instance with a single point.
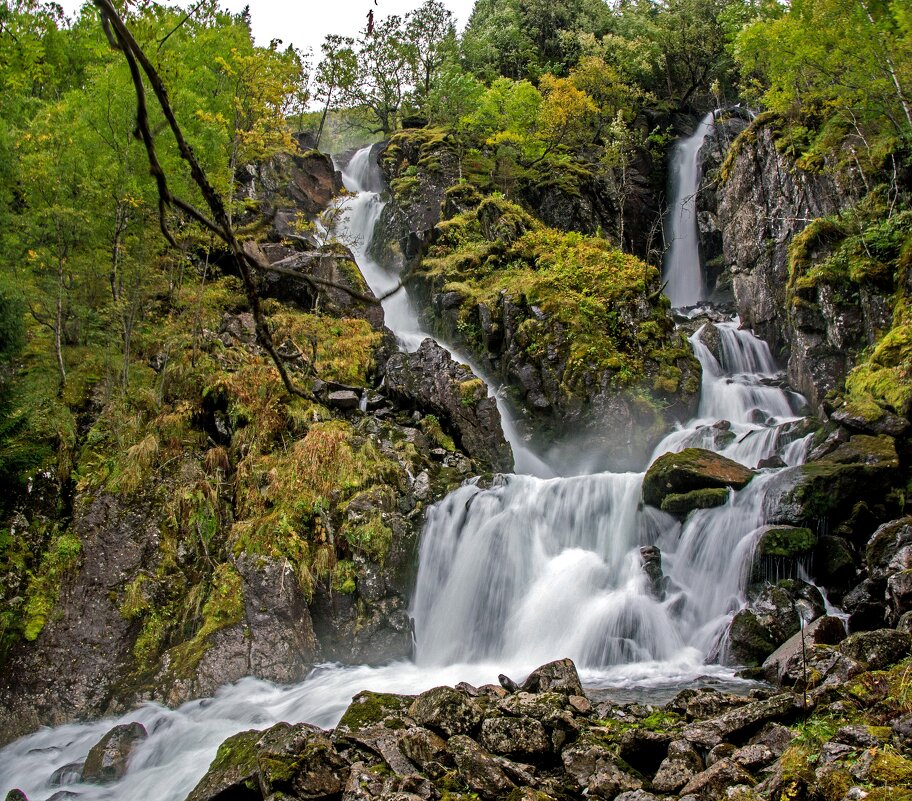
(596, 770)
(107, 759)
(689, 470)
(752, 716)
(559, 676)
(825, 630)
(877, 649)
(431, 380)
(446, 710)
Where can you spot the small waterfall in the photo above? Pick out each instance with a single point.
(359, 216)
(682, 268)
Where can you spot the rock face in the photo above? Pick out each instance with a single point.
(765, 202)
(691, 470)
(432, 381)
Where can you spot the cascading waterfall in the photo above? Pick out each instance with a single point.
(682, 270)
(526, 570)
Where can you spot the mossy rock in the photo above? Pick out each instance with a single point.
(691, 469)
(681, 504)
(369, 708)
(234, 769)
(786, 541)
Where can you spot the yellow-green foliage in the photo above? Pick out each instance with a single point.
(591, 289)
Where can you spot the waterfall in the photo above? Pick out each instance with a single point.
(682, 268)
(528, 569)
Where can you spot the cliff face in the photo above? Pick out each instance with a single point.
(766, 203)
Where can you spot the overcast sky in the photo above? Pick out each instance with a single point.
(305, 23)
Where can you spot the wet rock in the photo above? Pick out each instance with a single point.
(889, 550)
(596, 771)
(834, 563)
(712, 783)
(67, 774)
(682, 504)
(16, 795)
(446, 710)
(432, 381)
(785, 541)
(652, 567)
(518, 738)
(774, 615)
(233, 769)
(877, 649)
(559, 676)
(691, 469)
(899, 594)
(678, 768)
(738, 721)
(870, 420)
(369, 708)
(778, 667)
(480, 771)
(107, 759)
(866, 605)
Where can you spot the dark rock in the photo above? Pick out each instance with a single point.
(773, 616)
(430, 379)
(824, 630)
(866, 605)
(559, 676)
(678, 768)
(899, 594)
(834, 563)
(644, 750)
(737, 721)
(785, 541)
(480, 771)
(905, 623)
(877, 649)
(889, 550)
(446, 710)
(691, 469)
(67, 774)
(508, 684)
(107, 759)
(652, 567)
(872, 420)
(233, 769)
(518, 738)
(16, 795)
(775, 737)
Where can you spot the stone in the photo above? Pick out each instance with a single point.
(712, 783)
(711, 732)
(691, 469)
(652, 567)
(678, 768)
(107, 759)
(785, 541)
(753, 757)
(66, 774)
(446, 710)
(596, 771)
(870, 420)
(889, 550)
(344, 399)
(559, 676)
(518, 738)
(899, 594)
(681, 504)
(369, 708)
(480, 771)
(825, 630)
(644, 750)
(877, 649)
(432, 381)
(636, 795)
(866, 605)
(426, 749)
(16, 795)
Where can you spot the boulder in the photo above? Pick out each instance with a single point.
(691, 469)
(889, 550)
(518, 738)
(559, 676)
(479, 769)
(678, 768)
(652, 567)
(899, 594)
(877, 649)
(713, 782)
(866, 605)
(426, 749)
(433, 382)
(596, 770)
(738, 721)
(870, 419)
(825, 630)
(369, 708)
(785, 541)
(681, 504)
(446, 710)
(107, 759)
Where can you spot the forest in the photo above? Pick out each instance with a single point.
(220, 458)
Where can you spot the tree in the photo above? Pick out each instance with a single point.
(430, 40)
(335, 75)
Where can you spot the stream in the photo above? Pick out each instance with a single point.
(533, 568)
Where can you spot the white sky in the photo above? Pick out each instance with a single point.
(305, 23)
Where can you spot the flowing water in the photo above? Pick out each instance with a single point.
(682, 269)
(512, 575)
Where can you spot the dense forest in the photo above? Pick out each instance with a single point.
(200, 401)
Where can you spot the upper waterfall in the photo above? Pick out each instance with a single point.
(682, 269)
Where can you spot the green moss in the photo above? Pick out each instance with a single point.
(682, 503)
(369, 708)
(471, 391)
(430, 425)
(786, 541)
(44, 588)
(344, 578)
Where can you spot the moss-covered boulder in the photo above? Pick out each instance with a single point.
(369, 708)
(683, 503)
(446, 710)
(689, 470)
(877, 649)
(785, 541)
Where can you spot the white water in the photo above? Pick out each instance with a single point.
(529, 570)
(682, 268)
